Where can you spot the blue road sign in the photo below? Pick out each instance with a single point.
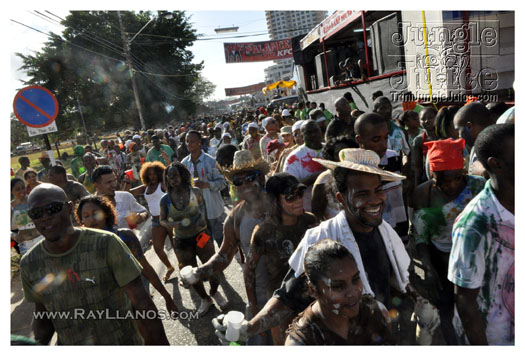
(35, 106)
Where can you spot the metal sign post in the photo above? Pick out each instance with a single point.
(37, 108)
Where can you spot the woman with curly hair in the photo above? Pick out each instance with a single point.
(182, 210)
(153, 188)
(97, 212)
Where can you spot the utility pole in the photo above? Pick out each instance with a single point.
(82, 117)
(128, 60)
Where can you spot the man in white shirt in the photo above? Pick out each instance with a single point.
(300, 163)
(129, 212)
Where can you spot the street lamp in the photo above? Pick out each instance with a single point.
(127, 53)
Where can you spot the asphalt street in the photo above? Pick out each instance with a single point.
(187, 330)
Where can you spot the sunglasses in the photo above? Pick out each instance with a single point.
(50, 209)
(238, 181)
(293, 196)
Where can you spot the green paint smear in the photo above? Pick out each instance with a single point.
(434, 221)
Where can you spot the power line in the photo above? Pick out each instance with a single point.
(95, 38)
(63, 40)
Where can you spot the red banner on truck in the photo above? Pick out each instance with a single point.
(258, 51)
(244, 90)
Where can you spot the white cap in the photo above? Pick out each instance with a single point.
(226, 134)
(286, 112)
(265, 121)
(320, 119)
(298, 125)
(252, 124)
(137, 137)
(218, 126)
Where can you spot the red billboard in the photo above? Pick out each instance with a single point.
(258, 51)
(244, 90)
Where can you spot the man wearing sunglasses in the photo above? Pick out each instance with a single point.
(88, 277)
(247, 175)
(276, 239)
(376, 247)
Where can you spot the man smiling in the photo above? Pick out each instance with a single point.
(377, 249)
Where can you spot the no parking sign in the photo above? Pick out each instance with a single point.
(37, 108)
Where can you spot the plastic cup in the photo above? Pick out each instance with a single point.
(233, 325)
(187, 274)
(129, 173)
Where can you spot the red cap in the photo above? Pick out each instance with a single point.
(445, 155)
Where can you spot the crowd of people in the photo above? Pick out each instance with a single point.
(329, 216)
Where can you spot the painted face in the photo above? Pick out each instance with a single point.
(193, 143)
(107, 184)
(449, 182)
(93, 216)
(374, 138)
(428, 118)
(365, 199)
(173, 178)
(340, 291)
(19, 191)
(250, 187)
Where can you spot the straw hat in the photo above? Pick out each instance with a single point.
(359, 159)
(243, 161)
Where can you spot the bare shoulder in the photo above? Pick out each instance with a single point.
(421, 194)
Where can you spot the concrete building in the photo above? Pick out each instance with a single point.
(288, 24)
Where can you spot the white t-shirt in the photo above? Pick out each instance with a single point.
(301, 165)
(125, 204)
(482, 256)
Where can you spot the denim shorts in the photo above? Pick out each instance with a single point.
(155, 221)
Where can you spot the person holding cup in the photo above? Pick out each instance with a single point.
(340, 314)
(182, 211)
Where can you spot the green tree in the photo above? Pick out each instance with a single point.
(86, 65)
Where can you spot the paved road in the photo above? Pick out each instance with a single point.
(179, 332)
